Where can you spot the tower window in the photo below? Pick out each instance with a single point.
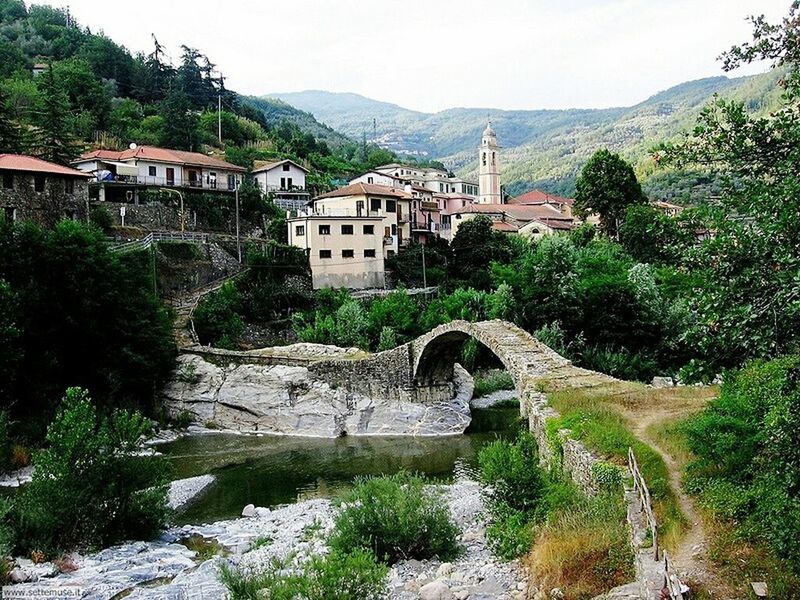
(484, 159)
(493, 158)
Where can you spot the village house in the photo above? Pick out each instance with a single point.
(435, 180)
(668, 208)
(529, 221)
(369, 200)
(284, 181)
(345, 251)
(42, 192)
(121, 176)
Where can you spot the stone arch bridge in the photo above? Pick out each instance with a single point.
(423, 370)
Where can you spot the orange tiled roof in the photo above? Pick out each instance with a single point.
(365, 189)
(20, 162)
(180, 157)
(540, 197)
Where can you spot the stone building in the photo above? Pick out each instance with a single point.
(42, 192)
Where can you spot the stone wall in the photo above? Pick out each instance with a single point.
(48, 207)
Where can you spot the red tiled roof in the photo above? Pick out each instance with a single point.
(365, 189)
(180, 157)
(540, 197)
(19, 162)
(504, 226)
(267, 165)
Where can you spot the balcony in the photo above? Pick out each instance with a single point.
(422, 227)
(219, 185)
(388, 240)
(429, 206)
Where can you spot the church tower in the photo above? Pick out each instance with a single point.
(489, 164)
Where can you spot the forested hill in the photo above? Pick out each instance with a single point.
(543, 148)
(95, 93)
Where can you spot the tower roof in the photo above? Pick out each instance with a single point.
(489, 130)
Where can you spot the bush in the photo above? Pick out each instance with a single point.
(338, 575)
(510, 533)
(5, 443)
(512, 469)
(101, 218)
(91, 486)
(747, 465)
(395, 517)
(217, 319)
(493, 382)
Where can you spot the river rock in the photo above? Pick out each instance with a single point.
(435, 590)
(662, 382)
(249, 511)
(183, 491)
(290, 400)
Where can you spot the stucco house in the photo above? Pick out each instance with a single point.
(32, 189)
(344, 251)
(533, 221)
(120, 176)
(284, 181)
(362, 199)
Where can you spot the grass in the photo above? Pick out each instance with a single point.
(584, 549)
(206, 549)
(607, 432)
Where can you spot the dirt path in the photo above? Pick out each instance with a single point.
(689, 558)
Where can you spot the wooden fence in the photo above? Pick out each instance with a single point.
(640, 486)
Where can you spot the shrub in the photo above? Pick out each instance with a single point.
(5, 443)
(512, 469)
(336, 576)
(493, 382)
(510, 533)
(92, 486)
(396, 517)
(387, 340)
(101, 218)
(217, 318)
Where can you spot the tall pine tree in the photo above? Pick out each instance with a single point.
(55, 141)
(10, 135)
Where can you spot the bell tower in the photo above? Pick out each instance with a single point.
(489, 168)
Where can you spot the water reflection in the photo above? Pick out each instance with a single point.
(268, 471)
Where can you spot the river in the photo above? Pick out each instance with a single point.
(273, 470)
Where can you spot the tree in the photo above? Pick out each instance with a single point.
(475, 246)
(180, 123)
(606, 186)
(650, 236)
(10, 136)
(748, 295)
(55, 139)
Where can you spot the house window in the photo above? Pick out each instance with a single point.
(286, 166)
(394, 229)
(8, 180)
(324, 229)
(232, 182)
(348, 254)
(289, 184)
(391, 206)
(369, 253)
(324, 253)
(370, 180)
(347, 230)
(283, 183)
(151, 171)
(69, 186)
(10, 213)
(300, 230)
(387, 232)
(369, 229)
(375, 204)
(359, 207)
(38, 183)
(212, 180)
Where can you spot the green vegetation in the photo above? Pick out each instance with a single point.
(76, 314)
(395, 517)
(597, 421)
(578, 544)
(493, 382)
(338, 575)
(606, 187)
(746, 468)
(93, 485)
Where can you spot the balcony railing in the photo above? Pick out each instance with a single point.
(420, 226)
(342, 212)
(220, 184)
(293, 189)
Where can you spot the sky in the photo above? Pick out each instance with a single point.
(436, 54)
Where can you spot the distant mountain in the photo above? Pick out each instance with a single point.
(542, 148)
(276, 110)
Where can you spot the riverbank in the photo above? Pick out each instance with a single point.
(184, 562)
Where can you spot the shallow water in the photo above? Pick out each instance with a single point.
(273, 470)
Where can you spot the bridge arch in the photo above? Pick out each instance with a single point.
(523, 356)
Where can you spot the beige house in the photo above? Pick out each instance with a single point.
(343, 251)
(393, 206)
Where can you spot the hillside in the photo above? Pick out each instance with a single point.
(544, 148)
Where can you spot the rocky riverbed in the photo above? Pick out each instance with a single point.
(169, 569)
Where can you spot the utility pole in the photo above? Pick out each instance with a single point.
(219, 117)
(424, 273)
(238, 239)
